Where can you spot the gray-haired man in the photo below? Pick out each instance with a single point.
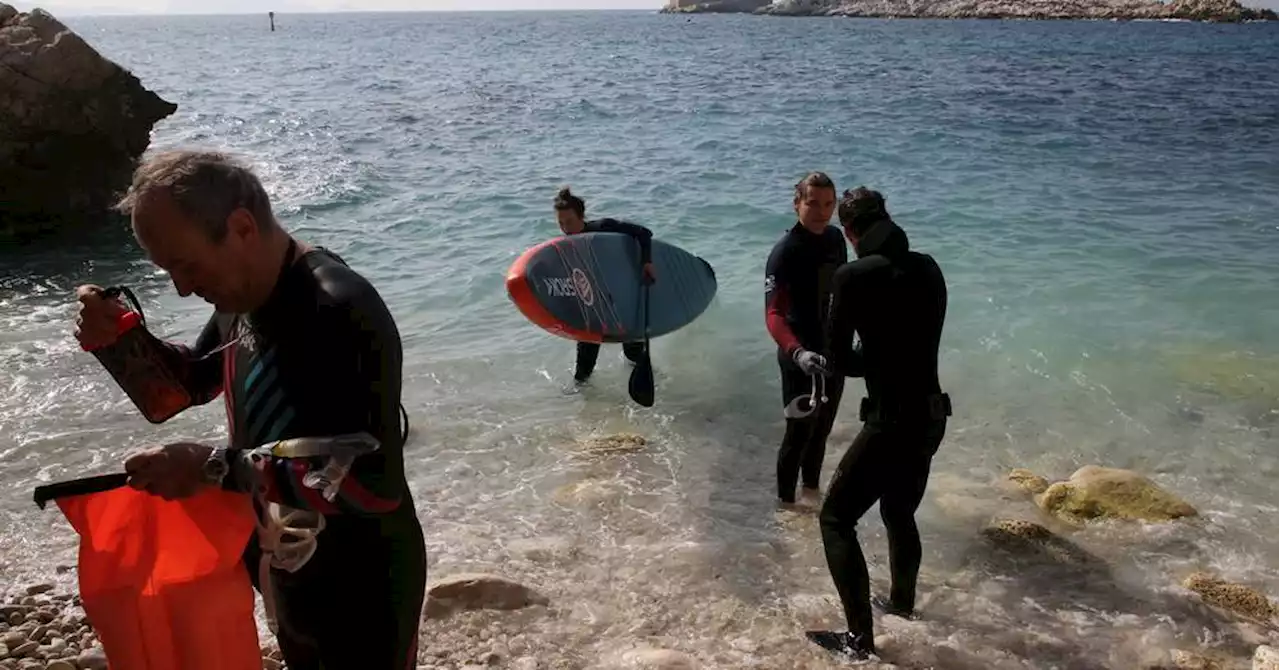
(301, 346)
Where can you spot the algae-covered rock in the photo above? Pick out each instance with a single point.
(1235, 598)
(1098, 493)
(1028, 481)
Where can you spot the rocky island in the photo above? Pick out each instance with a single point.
(72, 126)
(1226, 11)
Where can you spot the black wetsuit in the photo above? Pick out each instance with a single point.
(323, 357)
(895, 300)
(588, 352)
(796, 286)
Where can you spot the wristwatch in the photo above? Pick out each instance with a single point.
(216, 467)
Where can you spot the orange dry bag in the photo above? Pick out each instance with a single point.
(162, 582)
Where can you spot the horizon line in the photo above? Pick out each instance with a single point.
(99, 12)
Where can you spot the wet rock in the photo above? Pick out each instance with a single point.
(490, 658)
(9, 610)
(1235, 598)
(24, 649)
(37, 589)
(92, 659)
(271, 664)
(62, 664)
(1028, 481)
(1097, 493)
(13, 638)
(478, 591)
(44, 615)
(525, 663)
(39, 633)
(56, 647)
(1266, 658)
(16, 618)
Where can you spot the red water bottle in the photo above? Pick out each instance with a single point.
(142, 365)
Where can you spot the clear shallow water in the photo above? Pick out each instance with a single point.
(1102, 197)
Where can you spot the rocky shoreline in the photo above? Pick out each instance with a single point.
(1215, 11)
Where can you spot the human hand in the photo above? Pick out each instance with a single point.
(97, 317)
(811, 363)
(173, 471)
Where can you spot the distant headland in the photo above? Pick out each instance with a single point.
(1221, 11)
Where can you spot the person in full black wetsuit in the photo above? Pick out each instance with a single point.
(895, 300)
(300, 345)
(570, 213)
(796, 284)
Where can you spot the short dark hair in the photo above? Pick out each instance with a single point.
(813, 180)
(566, 200)
(860, 208)
(207, 186)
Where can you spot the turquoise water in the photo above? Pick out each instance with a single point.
(1101, 196)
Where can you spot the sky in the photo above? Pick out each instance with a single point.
(83, 7)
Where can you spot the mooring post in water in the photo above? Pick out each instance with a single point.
(272, 16)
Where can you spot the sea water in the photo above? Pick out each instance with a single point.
(1102, 198)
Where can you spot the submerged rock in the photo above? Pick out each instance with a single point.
(618, 443)
(1031, 540)
(1191, 660)
(648, 659)
(1098, 493)
(1235, 598)
(72, 126)
(478, 591)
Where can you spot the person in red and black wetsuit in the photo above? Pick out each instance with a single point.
(300, 346)
(570, 215)
(797, 283)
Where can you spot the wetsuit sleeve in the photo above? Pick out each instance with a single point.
(842, 324)
(777, 300)
(360, 378)
(200, 377)
(642, 235)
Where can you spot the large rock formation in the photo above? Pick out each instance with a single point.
(72, 126)
(1192, 10)
(1097, 493)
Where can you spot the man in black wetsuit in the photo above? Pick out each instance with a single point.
(895, 301)
(796, 283)
(300, 345)
(570, 213)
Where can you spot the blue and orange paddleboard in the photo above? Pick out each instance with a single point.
(587, 287)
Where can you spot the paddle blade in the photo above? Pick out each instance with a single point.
(162, 581)
(640, 386)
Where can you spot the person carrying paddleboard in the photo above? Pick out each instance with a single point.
(797, 281)
(570, 214)
(895, 301)
(301, 346)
